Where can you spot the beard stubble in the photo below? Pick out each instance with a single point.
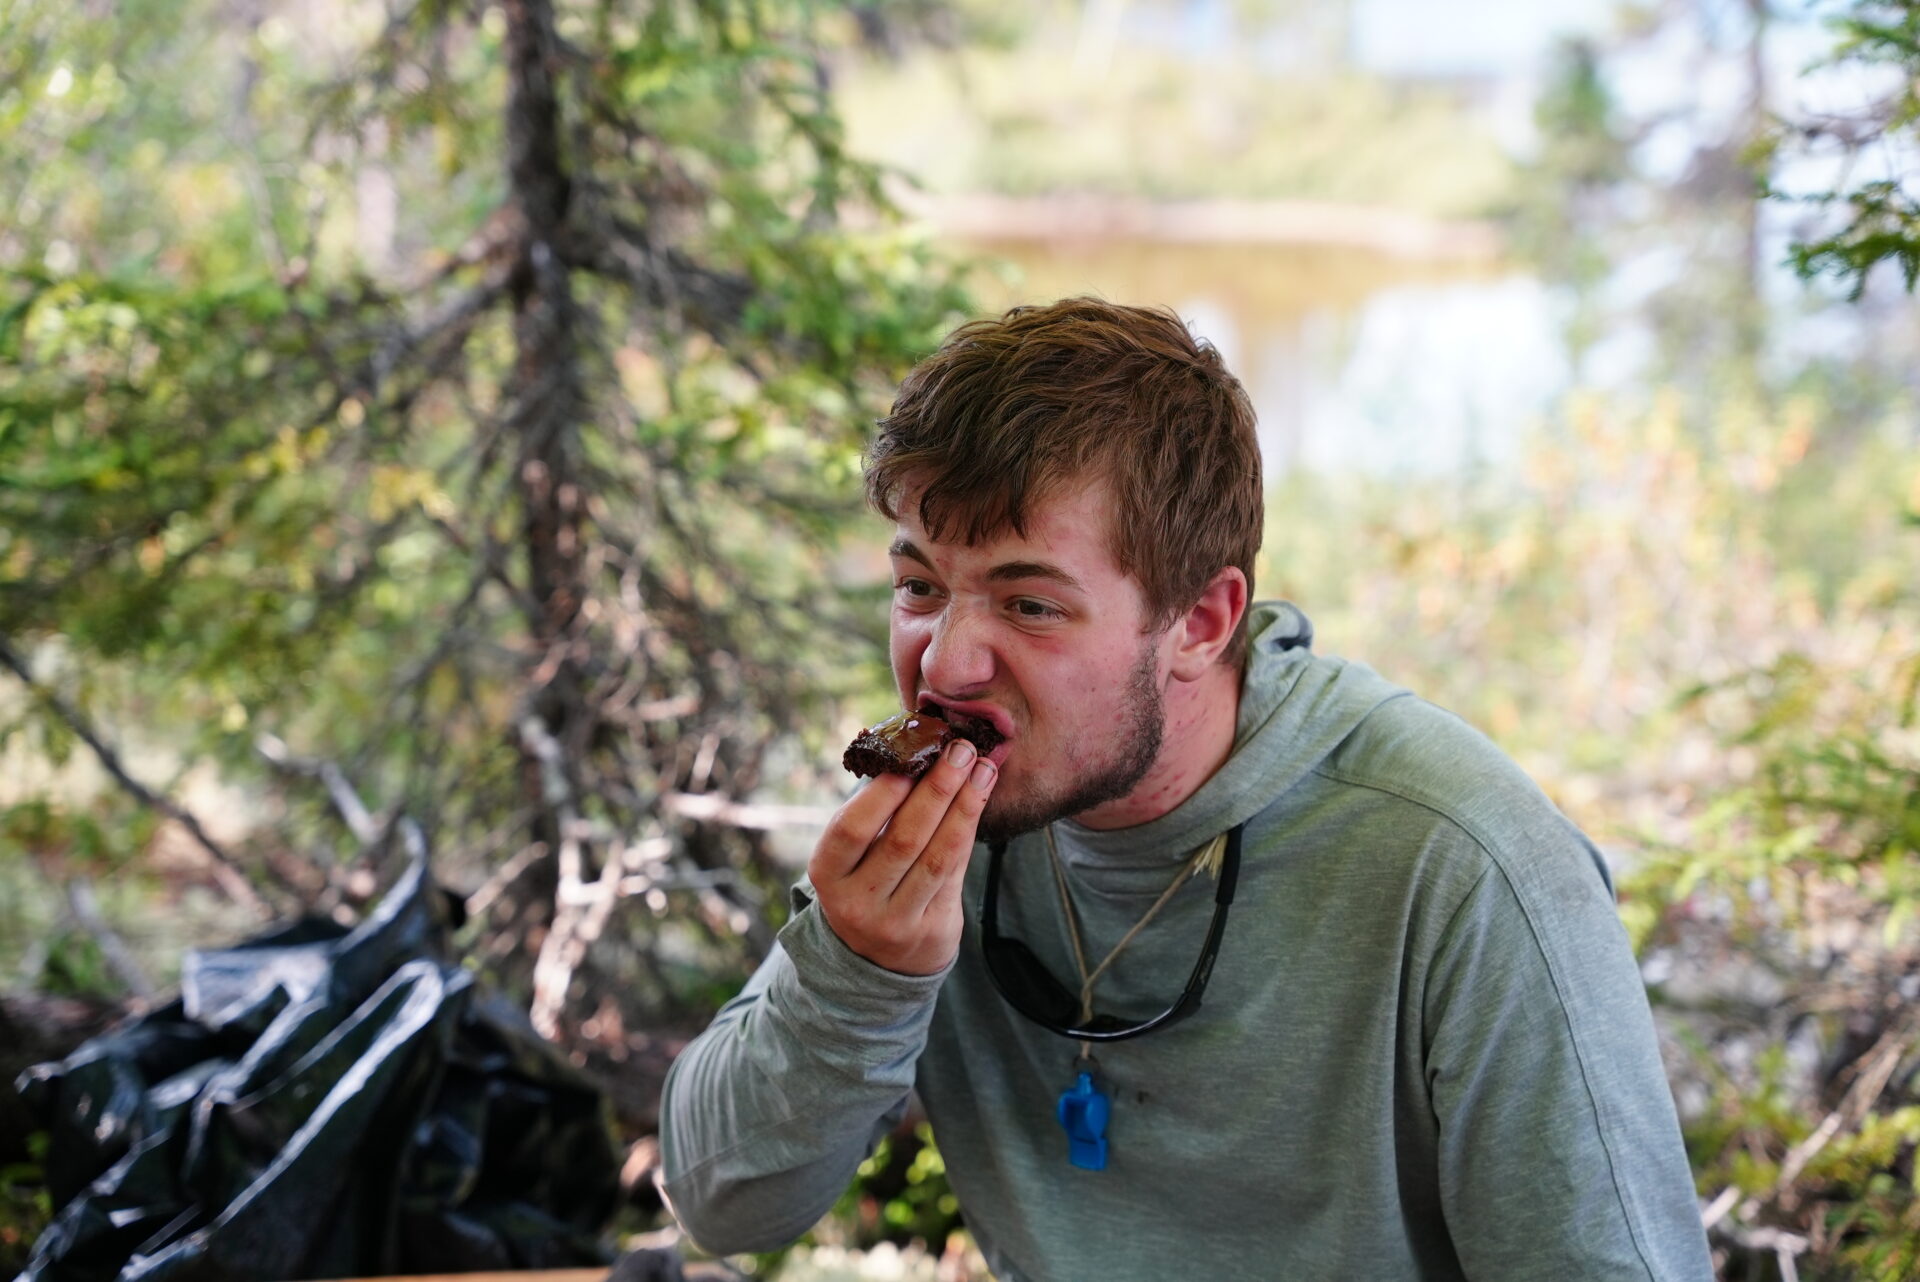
(1140, 738)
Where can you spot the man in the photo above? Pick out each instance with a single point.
(1418, 1049)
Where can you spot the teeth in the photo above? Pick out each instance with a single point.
(969, 726)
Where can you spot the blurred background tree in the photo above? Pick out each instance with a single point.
(432, 424)
(1879, 220)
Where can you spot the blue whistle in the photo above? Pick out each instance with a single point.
(1083, 1111)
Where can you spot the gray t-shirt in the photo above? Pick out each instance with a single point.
(1425, 1051)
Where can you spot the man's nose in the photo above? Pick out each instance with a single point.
(959, 655)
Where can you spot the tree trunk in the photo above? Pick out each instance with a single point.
(547, 403)
(547, 400)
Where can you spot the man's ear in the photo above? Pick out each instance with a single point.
(1203, 633)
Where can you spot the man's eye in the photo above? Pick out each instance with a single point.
(913, 588)
(1027, 608)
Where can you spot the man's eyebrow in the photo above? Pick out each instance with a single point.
(1007, 572)
(905, 547)
(1012, 570)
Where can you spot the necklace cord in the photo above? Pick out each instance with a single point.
(1208, 856)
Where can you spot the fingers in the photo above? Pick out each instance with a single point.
(855, 825)
(942, 865)
(891, 850)
(914, 823)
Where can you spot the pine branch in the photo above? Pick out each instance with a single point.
(228, 870)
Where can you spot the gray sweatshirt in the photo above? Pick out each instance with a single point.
(1425, 1051)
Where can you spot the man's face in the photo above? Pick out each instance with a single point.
(1044, 636)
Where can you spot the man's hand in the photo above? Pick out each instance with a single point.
(888, 869)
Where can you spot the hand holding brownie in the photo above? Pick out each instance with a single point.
(888, 869)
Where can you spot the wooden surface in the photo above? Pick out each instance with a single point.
(539, 1275)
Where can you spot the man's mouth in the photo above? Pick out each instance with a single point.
(979, 731)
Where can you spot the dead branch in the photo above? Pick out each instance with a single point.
(352, 810)
(737, 814)
(1876, 1070)
(1786, 1246)
(372, 834)
(699, 879)
(508, 873)
(226, 869)
(564, 946)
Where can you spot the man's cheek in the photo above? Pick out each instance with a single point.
(1021, 772)
(909, 639)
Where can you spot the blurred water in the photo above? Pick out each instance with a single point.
(1353, 359)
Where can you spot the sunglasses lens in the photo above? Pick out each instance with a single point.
(1030, 985)
(1030, 988)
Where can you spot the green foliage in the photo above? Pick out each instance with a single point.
(1882, 224)
(1812, 862)
(1879, 218)
(1628, 552)
(1071, 108)
(313, 433)
(25, 1206)
(1833, 807)
(1872, 1207)
(907, 1181)
(1576, 116)
(899, 1195)
(1565, 199)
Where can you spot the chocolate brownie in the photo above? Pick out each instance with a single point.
(908, 743)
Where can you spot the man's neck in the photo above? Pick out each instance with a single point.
(1201, 718)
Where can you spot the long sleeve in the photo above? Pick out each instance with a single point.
(1559, 1152)
(767, 1114)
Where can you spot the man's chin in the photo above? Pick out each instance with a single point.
(1008, 817)
(994, 834)
(999, 822)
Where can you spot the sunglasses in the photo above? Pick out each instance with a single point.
(1031, 989)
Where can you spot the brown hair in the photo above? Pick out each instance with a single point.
(1013, 409)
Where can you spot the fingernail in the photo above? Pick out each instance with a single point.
(960, 753)
(983, 773)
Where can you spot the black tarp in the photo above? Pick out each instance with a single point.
(322, 1103)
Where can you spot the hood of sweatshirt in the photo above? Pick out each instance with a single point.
(1296, 707)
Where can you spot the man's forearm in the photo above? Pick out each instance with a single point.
(767, 1114)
